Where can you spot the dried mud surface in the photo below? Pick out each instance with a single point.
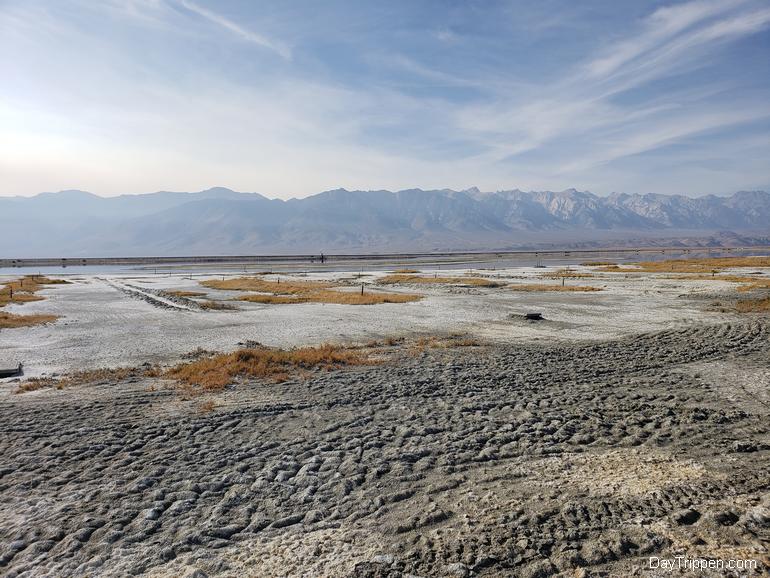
(508, 460)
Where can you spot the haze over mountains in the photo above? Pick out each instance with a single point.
(223, 222)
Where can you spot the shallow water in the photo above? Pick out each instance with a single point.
(502, 260)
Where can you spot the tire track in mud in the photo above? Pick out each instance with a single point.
(486, 462)
(154, 297)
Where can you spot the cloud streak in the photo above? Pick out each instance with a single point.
(664, 24)
(238, 30)
(132, 96)
(584, 107)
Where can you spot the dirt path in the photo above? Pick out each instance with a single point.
(522, 460)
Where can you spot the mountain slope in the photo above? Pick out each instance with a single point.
(220, 221)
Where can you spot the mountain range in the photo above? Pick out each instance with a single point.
(219, 221)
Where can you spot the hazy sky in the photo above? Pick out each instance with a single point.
(289, 98)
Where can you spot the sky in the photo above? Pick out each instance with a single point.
(292, 97)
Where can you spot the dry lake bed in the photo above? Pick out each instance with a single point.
(442, 434)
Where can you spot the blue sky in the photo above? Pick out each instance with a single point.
(289, 98)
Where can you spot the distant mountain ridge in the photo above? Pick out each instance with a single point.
(220, 221)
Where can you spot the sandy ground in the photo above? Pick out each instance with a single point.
(634, 423)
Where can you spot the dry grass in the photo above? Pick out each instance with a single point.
(207, 406)
(753, 305)
(186, 293)
(263, 286)
(288, 292)
(561, 273)
(390, 341)
(336, 297)
(747, 283)
(271, 299)
(358, 298)
(11, 321)
(543, 287)
(320, 293)
(405, 271)
(597, 263)
(34, 384)
(23, 290)
(82, 378)
(708, 265)
(417, 279)
(18, 297)
(422, 344)
(702, 269)
(214, 373)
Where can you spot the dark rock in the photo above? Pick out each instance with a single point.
(744, 446)
(167, 554)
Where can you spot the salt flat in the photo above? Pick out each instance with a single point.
(634, 422)
(103, 326)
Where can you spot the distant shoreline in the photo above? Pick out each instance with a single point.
(337, 259)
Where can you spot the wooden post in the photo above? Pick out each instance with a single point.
(362, 288)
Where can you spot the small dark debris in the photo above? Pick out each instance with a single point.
(534, 316)
(11, 370)
(744, 447)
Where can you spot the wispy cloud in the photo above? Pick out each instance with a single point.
(584, 107)
(240, 31)
(396, 96)
(633, 140)
(661, 26)
(413, 68)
